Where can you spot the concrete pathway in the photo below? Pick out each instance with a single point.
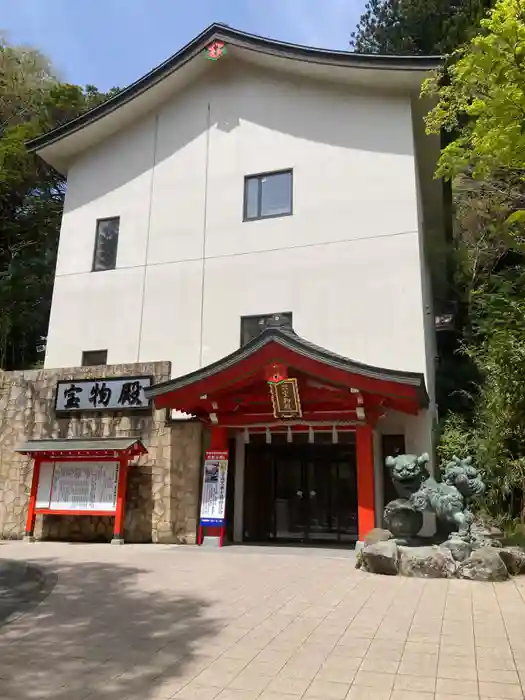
(151, 622)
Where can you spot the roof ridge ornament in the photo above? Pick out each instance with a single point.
(217, 49)
(279, 322)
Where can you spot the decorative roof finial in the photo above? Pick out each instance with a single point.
(215, 50)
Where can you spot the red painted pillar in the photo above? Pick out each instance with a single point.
(365, 480)
(31, 516)
(118, 530)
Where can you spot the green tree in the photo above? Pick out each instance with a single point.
(495, 433)
(32, 100)
(482, 101)
(417, 27)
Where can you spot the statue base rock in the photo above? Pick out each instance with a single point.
(454, 558)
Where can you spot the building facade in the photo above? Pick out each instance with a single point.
(252, 209)
(163, 486)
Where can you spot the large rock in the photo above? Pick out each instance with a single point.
(514, 560)
(380, 558)
(483, 535)
(459, 549)
(378, 535)
(484, 564)
(426, 562)
(402, 519)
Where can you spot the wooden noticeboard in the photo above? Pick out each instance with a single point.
(78, 487)
(80, 477)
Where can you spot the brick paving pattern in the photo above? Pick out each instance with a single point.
(158, 622)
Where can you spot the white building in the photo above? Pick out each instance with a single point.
(276, 181)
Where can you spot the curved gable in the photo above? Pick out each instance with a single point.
(59, 146)
(246, 367)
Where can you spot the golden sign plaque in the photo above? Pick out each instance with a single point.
(285, 399)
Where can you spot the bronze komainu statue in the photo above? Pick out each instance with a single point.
(419, 492)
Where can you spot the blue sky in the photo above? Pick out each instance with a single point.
(113, 42)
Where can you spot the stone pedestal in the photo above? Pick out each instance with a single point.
(211, 542)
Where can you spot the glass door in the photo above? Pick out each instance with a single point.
(322, 521)
(300, 493)
(332, 494)
(290, 516)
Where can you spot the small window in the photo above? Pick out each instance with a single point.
(90, 358)
(252, 326)
(106, 244)
(268, 195)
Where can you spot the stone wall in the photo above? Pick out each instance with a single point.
(163, 486)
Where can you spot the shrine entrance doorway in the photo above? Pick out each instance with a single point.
(282, 392)
(303, 493)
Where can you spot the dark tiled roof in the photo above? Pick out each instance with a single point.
(289, 339)
(80, 445)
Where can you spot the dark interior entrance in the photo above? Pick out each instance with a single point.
(300, 493)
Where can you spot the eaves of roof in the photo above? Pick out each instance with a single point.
(290, 340)
(234, 37)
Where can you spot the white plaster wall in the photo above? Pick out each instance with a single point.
(113, 179)
(347, 263)
(414, 428)
(95, 311)
(349, 297)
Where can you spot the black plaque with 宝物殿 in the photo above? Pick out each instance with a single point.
(104, 394)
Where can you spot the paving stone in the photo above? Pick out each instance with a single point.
(242, 623)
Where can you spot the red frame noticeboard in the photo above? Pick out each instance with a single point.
(122, 458)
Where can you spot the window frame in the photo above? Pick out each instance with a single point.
(258, 177)
(98, 222)
(96, 364)
(258, 316)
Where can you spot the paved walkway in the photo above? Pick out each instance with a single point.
(149, 623)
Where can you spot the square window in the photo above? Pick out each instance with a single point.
(268, 195)
(106, 244)
(252, 326)
(91, 358)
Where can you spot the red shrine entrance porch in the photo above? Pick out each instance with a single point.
(302, 420)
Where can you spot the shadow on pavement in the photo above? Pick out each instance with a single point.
(22, 587)
(106, 632)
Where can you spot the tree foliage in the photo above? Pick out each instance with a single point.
(417, 27)
(495, 433)
(32, 101)
(482, 100)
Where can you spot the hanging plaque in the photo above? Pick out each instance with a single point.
(285, 399)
